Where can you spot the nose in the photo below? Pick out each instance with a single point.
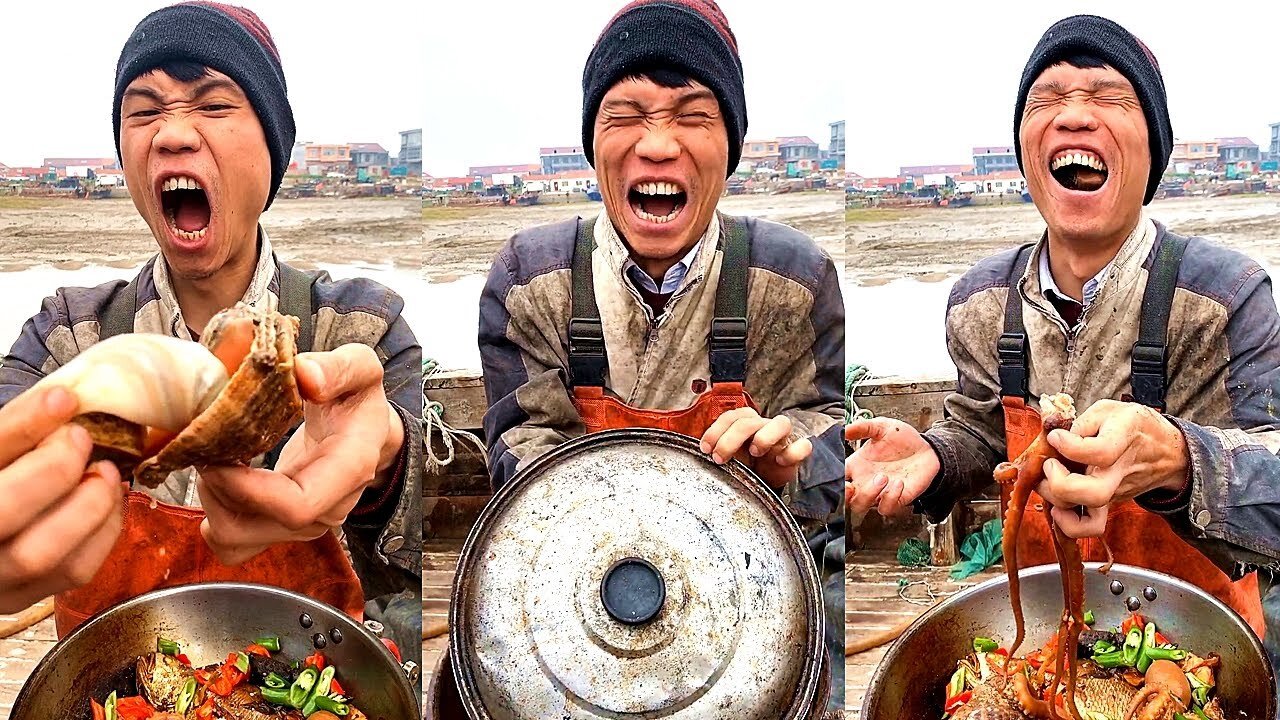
(1076, 115)
(659, 143)
(177, 134)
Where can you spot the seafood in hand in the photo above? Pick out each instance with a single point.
(155, 404)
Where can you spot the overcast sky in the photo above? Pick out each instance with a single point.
(505, 76)
(353, 71)
(929, 81)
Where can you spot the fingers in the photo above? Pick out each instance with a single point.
(326, 376)
(1063, 488)
(44, 547)
(872, 429)
(734, 437)
(36, 480)
(793, 454)
(1092, 524)
(714, 434)
(295, 505)
(1103, 450)
(31, 417)
(84, 564)
(772, 437)
(236, 536)
(863, 496)
(891, 499)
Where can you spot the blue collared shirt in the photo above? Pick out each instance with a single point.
(674, 276)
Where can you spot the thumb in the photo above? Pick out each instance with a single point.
(325, 376)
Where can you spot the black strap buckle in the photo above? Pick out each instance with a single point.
(1149, 365)
(728, 333)
(1011, 350)
(587, 361)
(728, 350)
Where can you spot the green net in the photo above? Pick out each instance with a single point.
(913, 552)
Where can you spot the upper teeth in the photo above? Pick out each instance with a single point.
(1079, 157)
(181, 183)
(659, 188)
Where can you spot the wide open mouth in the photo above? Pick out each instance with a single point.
(659, 202)
(186, 207)
(1079, 170)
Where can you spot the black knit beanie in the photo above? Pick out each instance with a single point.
(1117, 47)
(691, 36)
(229, 39)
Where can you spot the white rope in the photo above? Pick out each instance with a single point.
(433, 422)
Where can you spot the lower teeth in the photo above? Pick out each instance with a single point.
(656, 218)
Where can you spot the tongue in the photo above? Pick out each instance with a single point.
(659, 205)
(192, 213)
(1088, 179)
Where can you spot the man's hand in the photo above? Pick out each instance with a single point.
(1127, 448)
(349, 438)
(58, 519)
(893, 468)
(772, 454)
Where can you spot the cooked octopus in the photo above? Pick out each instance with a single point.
(155, 404)
(1024, 474)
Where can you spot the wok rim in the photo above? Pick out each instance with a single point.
(51, 658)
(880, 676)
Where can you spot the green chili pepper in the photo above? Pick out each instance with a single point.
(325, 681)
(1088, 617)
(168, 647)
(1200, 696)
(985, 645)
(337, 708)
(1148, 645)
(1132, 646)
(955, 686)
(110, 706)
(1173, 654)
(187, 694)
(242, 662)
(271, 643)
(1102, 647)
(279, 696)
(1201, 714)
(274, 680)
(301, 688)
(1113, 659)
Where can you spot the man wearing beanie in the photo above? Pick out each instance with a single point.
(661, 311)
(1170, 347)
(204, 130)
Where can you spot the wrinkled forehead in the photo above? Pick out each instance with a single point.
(181, 80)
(658, 86)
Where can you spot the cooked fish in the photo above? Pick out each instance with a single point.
(160, 680)
(246, 703)
(990, 702)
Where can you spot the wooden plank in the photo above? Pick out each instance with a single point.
(451, 517)
(915, 402)
(465, 475)
(461, 393)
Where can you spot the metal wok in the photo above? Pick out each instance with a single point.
(909, 683)
(210, 620)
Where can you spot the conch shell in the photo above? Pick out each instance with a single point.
(155, 404)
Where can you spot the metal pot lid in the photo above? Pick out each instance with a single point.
(624, 574)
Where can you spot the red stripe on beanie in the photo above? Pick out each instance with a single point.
(246, 19)
(707, 9)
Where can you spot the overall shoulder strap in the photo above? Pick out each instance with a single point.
(296, 300)
(1150, 358)
(1012, 346)
(587, 358)
(729, 326)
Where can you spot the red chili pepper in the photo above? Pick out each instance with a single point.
(184, 659)
(1001, 651)
(205, 711)
(99, 712)
(204, 676)
(134, 708)
(392, 647)
(257, 650)
(1161, 639)
(315, 659)
(335, 687)
(958, 701)
(1134, 620)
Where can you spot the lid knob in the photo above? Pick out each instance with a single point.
(633, 591)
